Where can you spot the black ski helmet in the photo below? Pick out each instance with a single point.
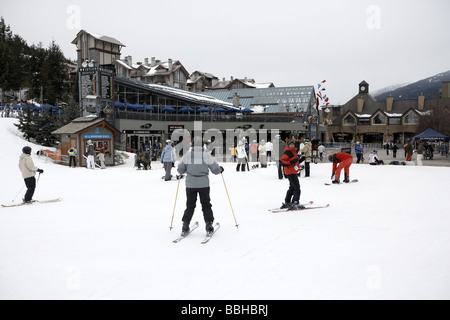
(26, 150)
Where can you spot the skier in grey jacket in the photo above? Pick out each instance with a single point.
(197, 163)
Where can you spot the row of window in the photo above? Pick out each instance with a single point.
(379, 119)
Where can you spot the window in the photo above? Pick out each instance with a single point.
(379, 119)
(395, 120)
(411, 118)
(349, 121)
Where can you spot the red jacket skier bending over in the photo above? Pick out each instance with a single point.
(291, 163)
(341, 161)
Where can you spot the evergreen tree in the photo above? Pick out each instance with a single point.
(5, 34)
(26, 124)
(45, 125)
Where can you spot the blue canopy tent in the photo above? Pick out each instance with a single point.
(168, 109)
(149, 108)
(138, 107)
(247, 110)
(431, 134)
(219, 109)
(186, 109)
(203, 109)
(57, 112)
(47, 106)
(119, 105)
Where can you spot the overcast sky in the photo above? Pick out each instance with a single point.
(287, 42)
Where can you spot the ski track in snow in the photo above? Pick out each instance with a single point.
(385, 237)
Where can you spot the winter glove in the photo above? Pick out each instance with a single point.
(294, 161)
(222, 169)
(40, 170)
(301, 159)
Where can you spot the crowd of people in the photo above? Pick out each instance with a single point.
(291, 157)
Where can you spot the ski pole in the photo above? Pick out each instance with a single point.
(18, 193)
(175, 204)
(226, 189)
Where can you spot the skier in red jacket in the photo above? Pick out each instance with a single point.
(291, 163)
(341, 161)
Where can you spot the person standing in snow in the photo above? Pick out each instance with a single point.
(409, 150)
(321, 150)
(73, 157)
(341, 160)
(420, 150)
(241, 156)
(254, 151)
(168, 159)
(359, 152)
(90, 152)
(394, 151)
(197, 163)
(307, 151)
(269, 147)
(263, 154)
(28, 170)
(280, 146)
(291, 163)
(101, 156)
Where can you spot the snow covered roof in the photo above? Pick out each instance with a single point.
(124, 64)
(275, 99)
(80, 124)
(363, 115)
(393, 115)
(175, 93)
(100, 37)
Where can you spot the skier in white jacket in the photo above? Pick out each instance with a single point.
(241, 156)
(28, 170)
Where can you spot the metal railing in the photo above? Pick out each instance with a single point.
(206, 117)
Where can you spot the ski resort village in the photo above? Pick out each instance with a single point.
(132, 177)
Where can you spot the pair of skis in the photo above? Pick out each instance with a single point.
(195, 226)
(307, 206)
(33, 202)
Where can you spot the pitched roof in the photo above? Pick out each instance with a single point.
(80, 124)
(99, 37)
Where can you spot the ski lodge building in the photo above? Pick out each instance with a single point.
(146, 101)
(367, 120)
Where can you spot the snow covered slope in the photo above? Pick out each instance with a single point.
(386, 237)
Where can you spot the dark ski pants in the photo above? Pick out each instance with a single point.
(293, 193)
(72, 160)
(280, 170)
(30, 183)
(191, 203)
(307, 169)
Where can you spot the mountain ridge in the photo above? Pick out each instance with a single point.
(430, 87)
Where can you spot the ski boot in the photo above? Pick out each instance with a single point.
(336, 181)
(285, 206)
(347, 179)
(209, 228)
(296, 206)
(185, 229)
